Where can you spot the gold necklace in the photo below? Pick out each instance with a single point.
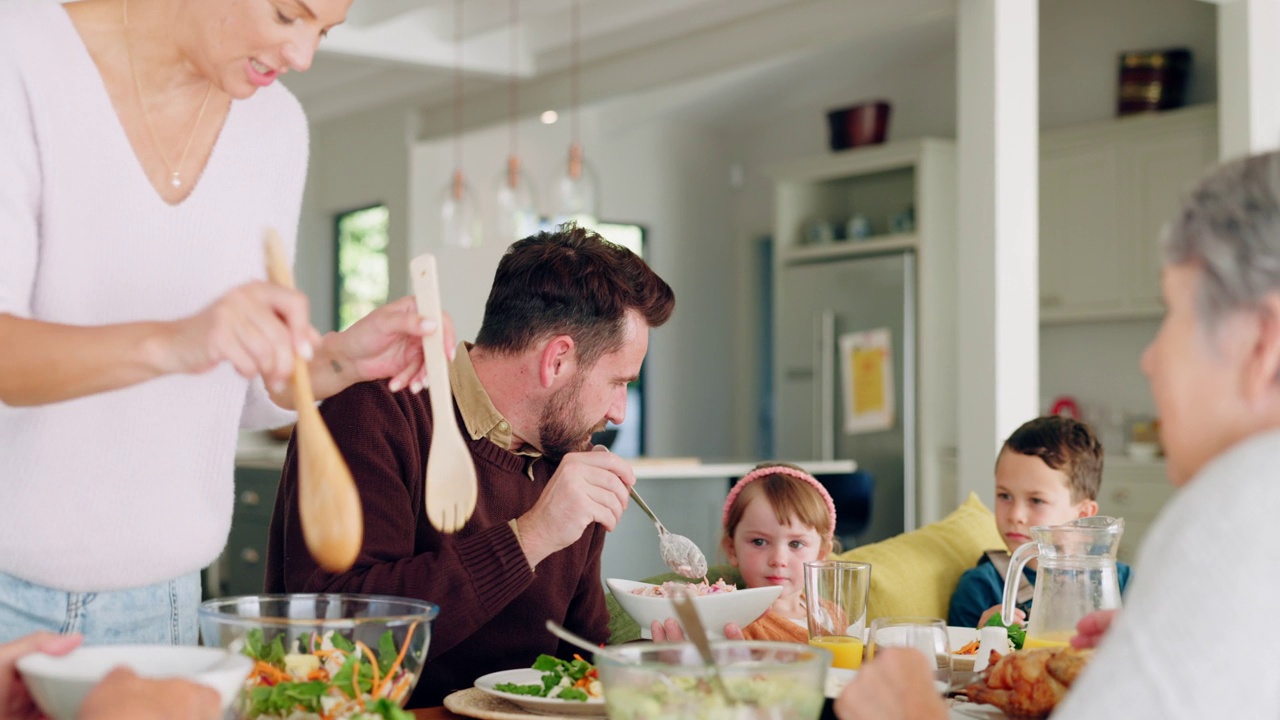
(175, 177)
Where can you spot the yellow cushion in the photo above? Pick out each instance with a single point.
(916, 572)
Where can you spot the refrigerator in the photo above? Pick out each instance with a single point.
(818, 303)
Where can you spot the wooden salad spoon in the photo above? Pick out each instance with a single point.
(328, 502)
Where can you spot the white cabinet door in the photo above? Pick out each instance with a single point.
(1160, 169)
(1081, 256)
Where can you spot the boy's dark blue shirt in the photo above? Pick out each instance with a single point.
(983, 586)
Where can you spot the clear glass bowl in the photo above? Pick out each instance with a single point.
(771, 681)
(340, 656)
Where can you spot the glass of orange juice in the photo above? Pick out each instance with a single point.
(926, 634)
(835, 596)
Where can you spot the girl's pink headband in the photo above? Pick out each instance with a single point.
(781, 470)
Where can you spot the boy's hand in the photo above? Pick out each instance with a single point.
(1092, 627)
(1018, 615)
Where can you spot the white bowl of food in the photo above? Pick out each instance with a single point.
(59, 683)
(717, 603)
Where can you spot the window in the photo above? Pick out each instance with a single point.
(363, 278)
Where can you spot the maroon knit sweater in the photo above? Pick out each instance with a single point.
(493, 608)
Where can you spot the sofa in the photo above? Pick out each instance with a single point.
(911, 574)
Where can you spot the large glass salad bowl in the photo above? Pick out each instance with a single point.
(331, 656)
(765, 681)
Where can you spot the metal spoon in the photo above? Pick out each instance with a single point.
(572, 638)
(677, 551)
(694, 631)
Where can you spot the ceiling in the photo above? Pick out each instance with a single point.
(404, 51)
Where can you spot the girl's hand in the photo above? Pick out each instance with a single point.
(258, 327)
(670, 631)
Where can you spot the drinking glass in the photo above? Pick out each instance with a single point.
(928, 635)
(835, 596)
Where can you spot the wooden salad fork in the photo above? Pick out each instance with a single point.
(451, 474)
(328, 502)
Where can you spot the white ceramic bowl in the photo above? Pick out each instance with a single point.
(59, 684)
(741, 607)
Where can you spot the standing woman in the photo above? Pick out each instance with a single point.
(146, 150)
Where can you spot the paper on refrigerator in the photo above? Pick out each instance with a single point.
(866, 361)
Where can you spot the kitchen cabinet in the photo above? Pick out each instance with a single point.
(1106, 191)
(241, 569)
(1135, 490)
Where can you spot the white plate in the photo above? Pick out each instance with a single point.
(741, 607)
(837, 678)
(59, 684)
(593, 707)
(977, 712)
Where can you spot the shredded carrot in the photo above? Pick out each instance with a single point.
(355, 683)
(399, 658)
(373, 660)
(969, 649)
(398, 691)
(318, 674)
(271, 672)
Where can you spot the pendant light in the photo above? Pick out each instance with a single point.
(516, 204)
(576, 192)
(459, 218)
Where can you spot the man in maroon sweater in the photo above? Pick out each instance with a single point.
(566, 327)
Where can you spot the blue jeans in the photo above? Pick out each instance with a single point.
(164, 613)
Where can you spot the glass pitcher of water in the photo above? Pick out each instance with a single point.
(1076, 576)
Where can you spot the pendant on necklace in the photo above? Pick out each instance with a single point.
(175, 181)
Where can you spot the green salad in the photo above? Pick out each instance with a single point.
(1017, 633)
(325, 677)
(574, 679)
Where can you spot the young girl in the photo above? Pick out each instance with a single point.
(776, 518)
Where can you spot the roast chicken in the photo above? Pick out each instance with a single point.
(1029, 683)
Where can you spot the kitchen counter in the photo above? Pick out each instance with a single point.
(686, 493)
(260, 449)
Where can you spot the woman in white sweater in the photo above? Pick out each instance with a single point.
(147, 151)
(1198, 637)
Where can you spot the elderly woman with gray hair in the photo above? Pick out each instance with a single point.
(1200, 634)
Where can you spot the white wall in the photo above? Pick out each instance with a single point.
(356, 161)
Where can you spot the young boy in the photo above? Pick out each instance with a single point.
(1047, 473)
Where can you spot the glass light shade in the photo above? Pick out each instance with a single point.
(516, 205)
(459, 217)
(576, 194)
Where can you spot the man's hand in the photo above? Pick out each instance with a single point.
(15, 701)
(588, 487)
(670, 631)
(1092, 627)
(897, 685)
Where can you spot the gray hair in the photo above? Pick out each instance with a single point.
(1229, 227)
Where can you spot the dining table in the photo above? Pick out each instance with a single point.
(435, 713)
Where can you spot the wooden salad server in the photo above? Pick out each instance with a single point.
(328, 502)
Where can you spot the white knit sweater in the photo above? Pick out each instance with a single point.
(130, 487)
(1199, 636)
